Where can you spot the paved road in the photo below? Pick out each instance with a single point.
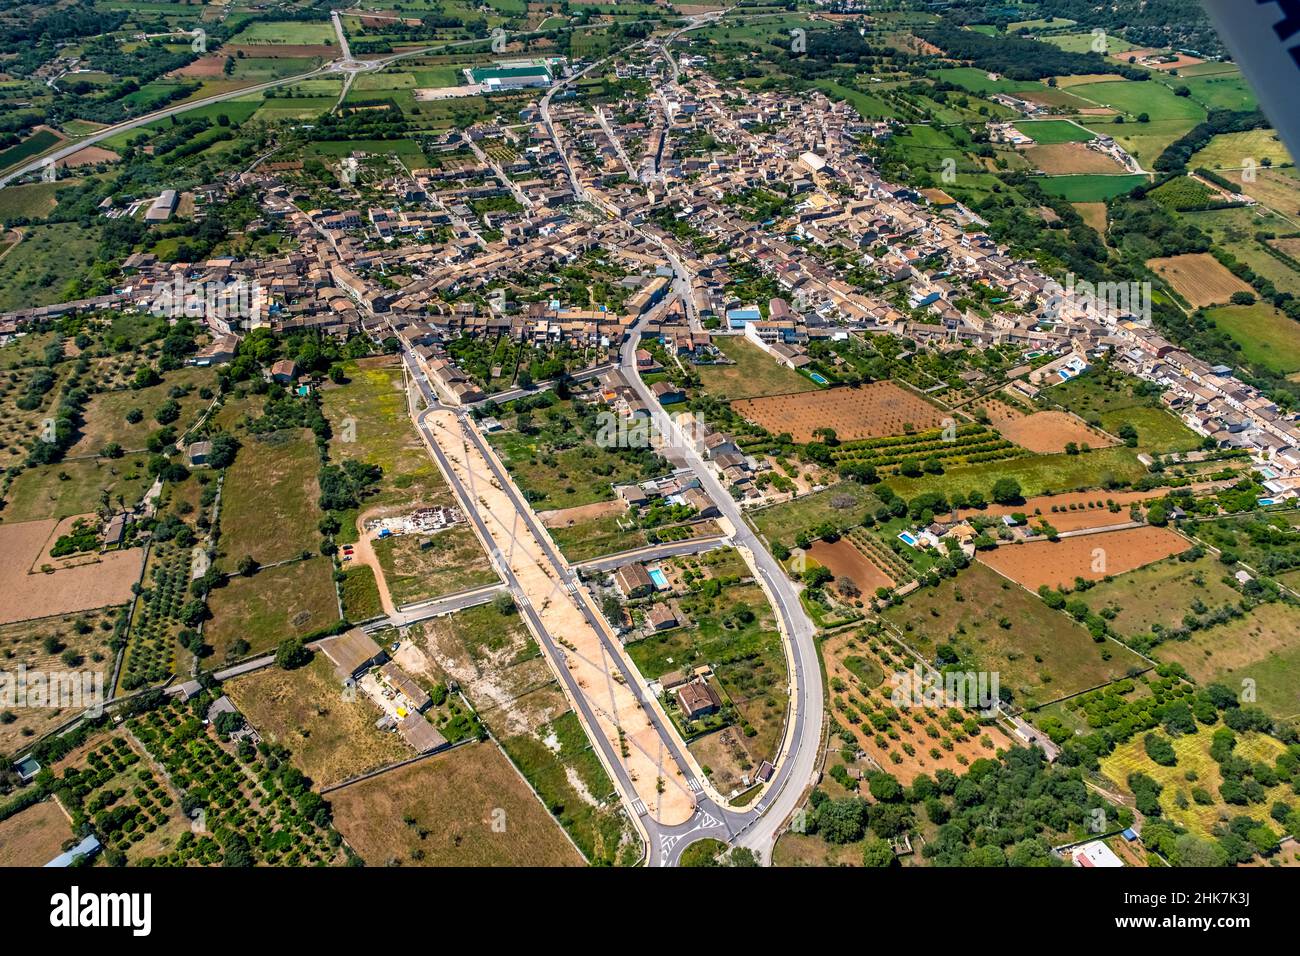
(654, 552)
(796, 764)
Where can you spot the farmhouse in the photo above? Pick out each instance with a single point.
(698, 699)
(633, 581)
(661, 617)
(352, 652)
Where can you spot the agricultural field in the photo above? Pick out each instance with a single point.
(1056, 564)
(106, 419)
(247, 822)
(1260, 650)
(991, 624)
(34, 584)
(1268, 337)
(1199, 278)
(269, 500)
(1055, 132)
(1072, 158)
(877, 410)
(69, 643)
(843, 559)
(275, 33)
(863, 672)
(1091, 188)
(465, 807)
(1037, 475)
(254, 614)
(753, 374)
(39, 269)
(1109, 400)
(1192, 753)
(1235, 150)
(1045, 433)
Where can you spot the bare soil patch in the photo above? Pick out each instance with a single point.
(25, 595)
(566, 517)
(1047, 433)
(877, 410)
(89, 157)
(842, 559)
(35, 836)
(1091, 557)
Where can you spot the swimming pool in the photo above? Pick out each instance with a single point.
(657, 576)
(819, 379)
(906, 538)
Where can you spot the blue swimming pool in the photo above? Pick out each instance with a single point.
(657, 576)
(906, 538)
(819, 379)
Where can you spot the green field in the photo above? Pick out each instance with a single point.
(754, 374)
(1037, 475)
(33, 145)
(868, 107)
(1041, 655)
(288, 32)
(42, 268)
(1054, 132)
(978, 81)
(292, 600)
(844, 503)
(1267, 337)
(1088, 188)
(269, 502)
(73, 488)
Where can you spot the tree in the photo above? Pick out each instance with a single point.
(842, 821)
(504, 603)
(1243, 298)
(292, 654)
(247, 566)
(1006, 491)
(877, 853)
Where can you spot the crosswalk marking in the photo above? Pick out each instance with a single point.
(639, 806)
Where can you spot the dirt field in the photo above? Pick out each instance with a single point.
(871, 411)
(567, 517)
(1091, 508)
(842, 559)
(1046, 433)
(25, 595)
(35, 836)
(495, 661)
(89, 157)
(1182, 62)
(1072, 158)
(1091, 557)
(1199, 278)
(467, 807)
